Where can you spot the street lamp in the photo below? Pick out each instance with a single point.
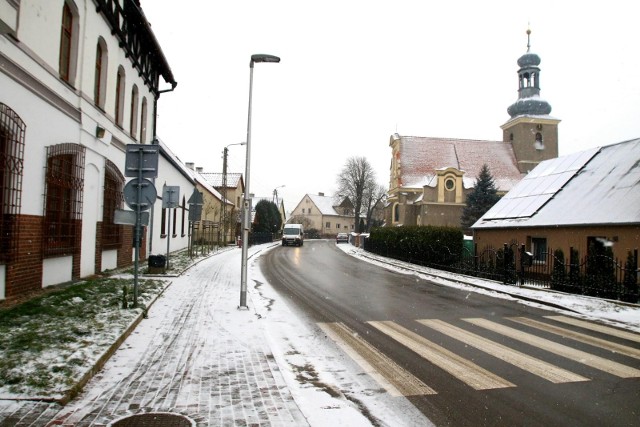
(223, 217)
(246, 221)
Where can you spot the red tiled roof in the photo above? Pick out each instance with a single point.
(421, 157)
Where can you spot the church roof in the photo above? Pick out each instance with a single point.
(422, 157)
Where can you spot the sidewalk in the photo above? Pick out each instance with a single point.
(200, 360)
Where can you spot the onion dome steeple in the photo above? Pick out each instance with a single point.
(529, 101)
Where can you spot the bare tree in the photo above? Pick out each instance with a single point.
(374, 196)
(356, 177)
(300, 219)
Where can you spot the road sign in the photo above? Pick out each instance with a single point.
(124, 217)
(196, 198)
(141, 161)
(170, 196)
(147, 192)
(195, 213)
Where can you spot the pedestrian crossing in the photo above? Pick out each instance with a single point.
(468, 331)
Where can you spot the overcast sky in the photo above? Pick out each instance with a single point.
(353, 72)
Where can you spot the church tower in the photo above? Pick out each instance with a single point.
(532, 132)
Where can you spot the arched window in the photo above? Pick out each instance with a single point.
(120, 83)
(100, 81)
(12, 130)
(133, 131)
(184, 214)
(539, 144)
(112, 200)
(396, 212)
(163, 223)
(68, 42)
(64, 185)
(143, 121)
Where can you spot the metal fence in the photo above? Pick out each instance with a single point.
(595, 274)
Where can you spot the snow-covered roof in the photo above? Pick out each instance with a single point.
(422, 157)
(592, 187)
(324, 204)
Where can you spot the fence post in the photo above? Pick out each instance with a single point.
(522, 259)
(505, 263)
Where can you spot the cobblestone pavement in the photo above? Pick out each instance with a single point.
(187, 358)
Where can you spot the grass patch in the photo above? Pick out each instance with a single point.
(50, 341)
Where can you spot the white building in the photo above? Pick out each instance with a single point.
(324, 214)
(79, 81)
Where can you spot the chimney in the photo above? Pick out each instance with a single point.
(190, 165)
(199, 169)
(321, 194)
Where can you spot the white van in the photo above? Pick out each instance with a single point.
(293, 234)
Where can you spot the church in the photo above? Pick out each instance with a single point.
(430, 178)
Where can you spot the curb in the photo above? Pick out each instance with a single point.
(464, 282)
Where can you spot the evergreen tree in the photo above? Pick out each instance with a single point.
(481, 199)
(267, 217)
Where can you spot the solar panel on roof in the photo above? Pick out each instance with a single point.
(539, 186)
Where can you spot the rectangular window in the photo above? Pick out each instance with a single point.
(303, 210)
(338, 226)
(539, 249)
(328, 225)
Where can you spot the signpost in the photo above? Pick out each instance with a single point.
(170, 196)
(195, 213)
(141, 163)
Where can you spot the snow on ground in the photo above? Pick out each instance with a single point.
(614, 313)
(328, 387)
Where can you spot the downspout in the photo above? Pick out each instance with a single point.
(155, 141)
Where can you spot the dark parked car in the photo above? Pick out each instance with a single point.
(342, 237)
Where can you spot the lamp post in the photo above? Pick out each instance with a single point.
(223, 217)
(246, 221)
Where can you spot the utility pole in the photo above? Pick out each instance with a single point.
(225, 152)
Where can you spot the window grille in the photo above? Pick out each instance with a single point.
(112, 200)
(64, 185)
(12, 130)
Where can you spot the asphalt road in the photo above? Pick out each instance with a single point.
(462, 358)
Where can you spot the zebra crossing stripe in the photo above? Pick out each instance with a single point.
(392, 377)
(468, 372)
(524, 361)
(597, 328)
(583, 357)
(577, 336)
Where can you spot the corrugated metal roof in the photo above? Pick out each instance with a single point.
(421, 157)
(606, 190)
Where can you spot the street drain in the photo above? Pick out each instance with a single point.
(154, 420)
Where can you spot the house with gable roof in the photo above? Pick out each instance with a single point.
(231, 187)
(430, 178)
(324, 214)
(583, 201)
